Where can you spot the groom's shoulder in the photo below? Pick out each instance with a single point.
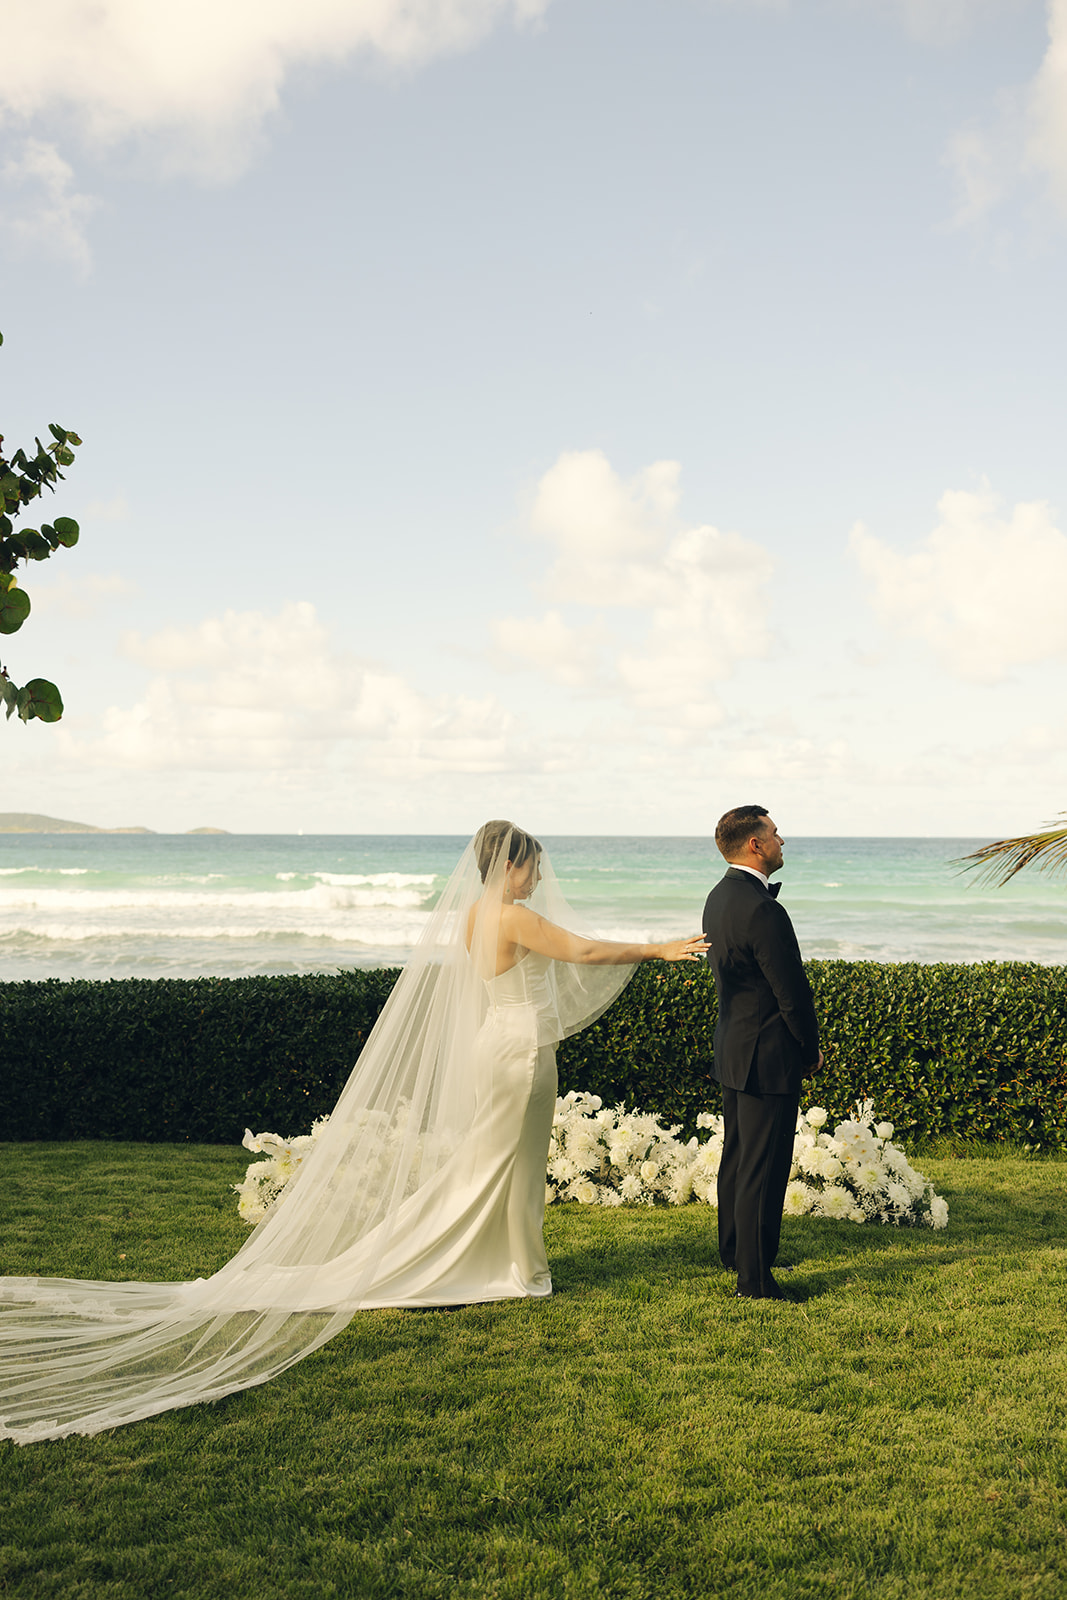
(729, 887)
(733, 878)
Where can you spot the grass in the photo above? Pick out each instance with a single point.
(900, 1433)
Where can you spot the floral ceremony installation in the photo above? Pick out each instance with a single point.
(615, 1157)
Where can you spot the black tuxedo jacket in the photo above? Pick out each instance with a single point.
(767, 1037)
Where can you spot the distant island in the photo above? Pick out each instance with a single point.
(33, 822)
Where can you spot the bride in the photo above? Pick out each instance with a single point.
(426, 1188)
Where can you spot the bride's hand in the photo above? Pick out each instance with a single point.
(684, 949)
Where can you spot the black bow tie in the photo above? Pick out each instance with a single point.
(773, 889)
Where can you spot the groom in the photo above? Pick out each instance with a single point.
(766, 1041)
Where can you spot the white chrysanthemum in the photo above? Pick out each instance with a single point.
(914, 1182)
(606, 1196)
(807, 1159)
(550, 1194)
(867, 1175)
(585, 1148)
(707, 1162)
(799, 1200)
(631, 1187)
(680, 1190)
(938, 1212)
(706, 1189)
(899, 1198)
(563, 1169)
(835, 1202)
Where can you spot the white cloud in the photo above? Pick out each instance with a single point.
(1047, 146)
(117, 509)
(1026, 135)
(206, 74)
(986, 162)
(940, 21)
(689, 605)
(51, 215)
(246, 690)
(985, 592)
(85, 596)
(563, 654)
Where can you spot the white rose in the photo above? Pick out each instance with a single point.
(883, 1130)
(815, 1116)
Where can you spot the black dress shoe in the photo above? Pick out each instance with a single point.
(771, 1292)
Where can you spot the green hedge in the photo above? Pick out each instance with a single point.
(175, 1059)
(965, 1052)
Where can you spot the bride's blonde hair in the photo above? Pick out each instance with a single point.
(492, 837)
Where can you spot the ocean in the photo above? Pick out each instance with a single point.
(226, 905)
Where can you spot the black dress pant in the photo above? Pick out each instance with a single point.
(757, 1154)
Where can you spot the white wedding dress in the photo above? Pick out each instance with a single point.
(427, 1188)
(475, 1232)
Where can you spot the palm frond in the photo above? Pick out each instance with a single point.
(1000, 861)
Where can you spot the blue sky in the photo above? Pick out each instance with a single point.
(600, 413)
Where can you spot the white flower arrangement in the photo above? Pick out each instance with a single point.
(853, 1174)
(265, 1180)
(620, 1157)
(378, 1136)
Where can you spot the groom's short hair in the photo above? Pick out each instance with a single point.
(735, 828)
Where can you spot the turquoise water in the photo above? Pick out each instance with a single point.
(177, 905)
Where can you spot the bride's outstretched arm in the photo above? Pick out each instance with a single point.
(521, 926)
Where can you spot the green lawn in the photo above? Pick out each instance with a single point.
(900, 1433)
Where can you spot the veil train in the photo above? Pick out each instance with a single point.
(405, 1199)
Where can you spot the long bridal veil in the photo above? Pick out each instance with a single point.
(80, 1357)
